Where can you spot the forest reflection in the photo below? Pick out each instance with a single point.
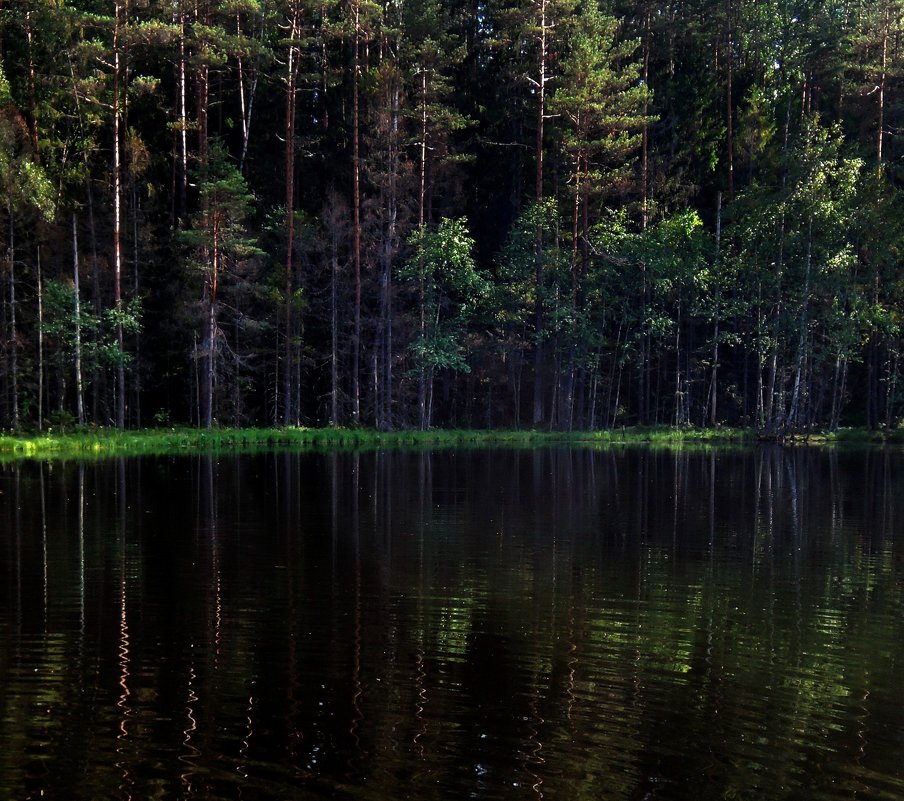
(558, 623)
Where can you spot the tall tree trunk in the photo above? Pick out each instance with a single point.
(136, 261)
(422, 310)
(389, 247)
(773, 387)
(890, 391)
(5, 348)
(247, 93)
(202, 95)
(32, 91)
(880, 133)
(538, 235)
(356, 212)
(182, 133)
(13, 332)
(836, 382)
(117, 216)
(643, 395)
(334, 330)
(195, 406)
(289, 411)
(210, 372)
(79, 389)
(729, 106)
(93, 241)
(645, 134)
(96, 302)
(714, 383)
(680, 416)
(40, 288)
(794, 414)
(760, 412)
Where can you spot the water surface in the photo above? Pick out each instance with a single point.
(521, 624)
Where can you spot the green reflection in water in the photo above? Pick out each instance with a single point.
(557, 623)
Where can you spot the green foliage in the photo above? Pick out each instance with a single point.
(444, 270)
(5, 95)
(599, 94)
(722, 205)
(99, 343)
(219, 227)
(516, 289)
(24, 182)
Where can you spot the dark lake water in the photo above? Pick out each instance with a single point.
(488, 624)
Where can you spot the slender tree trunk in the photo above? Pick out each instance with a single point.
(872, 355)
(645, 134)
(182, 134)
(713, 394)
(836, 382)
(890, 392)
(643, 383)
(247, 94)
(841, 392)
(210, 373)
(195, 404)
(375, 374)
(324, 68)
(243, 100)
(334, 331)
(276, 409)
(422, 310)
(773, 380)
(40, 342)
(291, 79)
(775, 407)
(236, 381)
(356, 212)
(680, 416)
(880, 134)
(594, 389)
(389, 249)
(794, 414)
(610, 383)
(541, 99)
(539, 258)
(13, 332)
(575, 216)
(5, 348)
(202, 95)
(136, 260)
(32, 81)
(117, 218)
(79, 389)
(96, 300)
(93, 240)
(729, 106)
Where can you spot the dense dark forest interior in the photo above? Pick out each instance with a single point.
(484, 213)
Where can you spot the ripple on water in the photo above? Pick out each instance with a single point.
(310, 627)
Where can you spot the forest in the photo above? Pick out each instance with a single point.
(550, 214)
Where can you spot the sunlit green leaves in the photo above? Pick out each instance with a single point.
(443, 268)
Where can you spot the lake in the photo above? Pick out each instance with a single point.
(560, 623)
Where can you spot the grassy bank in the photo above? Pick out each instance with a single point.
(109, 442)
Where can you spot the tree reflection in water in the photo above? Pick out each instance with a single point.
(555, 623)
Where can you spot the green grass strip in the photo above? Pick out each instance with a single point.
(104, 442)
(110, 442)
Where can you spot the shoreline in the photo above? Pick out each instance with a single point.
(105, 442)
